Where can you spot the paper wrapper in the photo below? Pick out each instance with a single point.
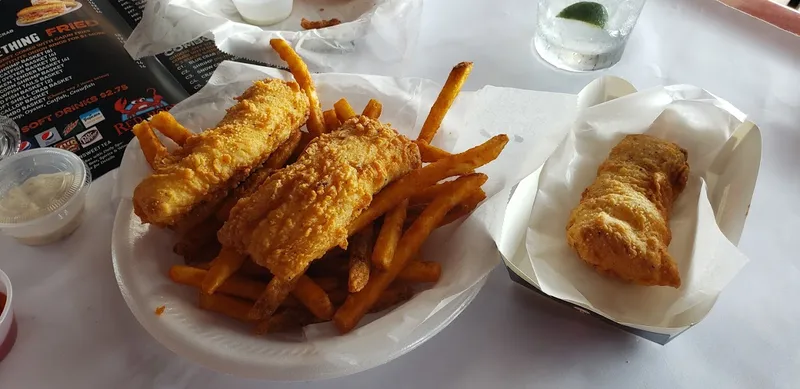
(706, 218)
(373, 33)
(535, 122)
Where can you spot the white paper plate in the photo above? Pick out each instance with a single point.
(142, 255)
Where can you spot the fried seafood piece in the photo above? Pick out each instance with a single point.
(621, 226)
(303, 210)
(215, 161)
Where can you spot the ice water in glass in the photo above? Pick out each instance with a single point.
(584, 35)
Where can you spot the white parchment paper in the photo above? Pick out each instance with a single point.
(465, 249)
(707, 260)
(373, 32)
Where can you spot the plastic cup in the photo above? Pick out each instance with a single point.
(584, 35)
(9, 137)
(264, 12)
(8, 325)
(42, 195)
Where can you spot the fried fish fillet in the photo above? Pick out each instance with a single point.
(212, 162)
(303, 210)
(621, 226)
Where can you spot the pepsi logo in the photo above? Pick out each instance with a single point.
(47, 135)
(25, 145)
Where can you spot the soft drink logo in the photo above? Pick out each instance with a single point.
(25, 145)
(69, 127)
(89, 137)
(48, 137)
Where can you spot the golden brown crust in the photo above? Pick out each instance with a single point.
(303, 210)
(216, 160)
(621, 226)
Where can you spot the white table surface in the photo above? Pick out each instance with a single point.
(75, 330)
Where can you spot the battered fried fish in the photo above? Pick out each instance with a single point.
(303, 210)
(621, 226)
(213, 162)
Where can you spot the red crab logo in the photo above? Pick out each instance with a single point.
(139, 106)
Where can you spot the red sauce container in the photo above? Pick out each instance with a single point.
(8, 326)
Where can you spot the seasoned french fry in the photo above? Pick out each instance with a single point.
(281, 155)
(391, 297)
(246, 188)
(198, 236)
(430, 153)
(426, 195)
(310, 294)
(343, 110)
(271, 298)
(315, 24)
(465, 208)
(222, 267)
(360, 251)
(334, 265)
(389, 235)
(204, 254)
(445, 99)
(292, 317)
(300, 72)
(286, 320)
(235, 285)
(358, 304)
(254, 271)
(420, 271)
(428, 175)
(305, 139)
(166, 124)
(152, 148)
(327, 283)
(228, 306)
(331, 121)
(387, 299)
(373, 109)
(201, 212)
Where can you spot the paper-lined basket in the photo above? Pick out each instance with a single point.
(373, 34)
(707, 221)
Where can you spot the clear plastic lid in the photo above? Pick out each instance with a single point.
(39, 182)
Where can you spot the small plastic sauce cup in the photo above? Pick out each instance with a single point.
(8, 325)
(264, 12)
(42, 195)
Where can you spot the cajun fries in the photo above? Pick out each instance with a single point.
(303, 77)
(166, 124)
(379, 264)
(343, 110)
(373, 109)
(445, 99)
(360, 252)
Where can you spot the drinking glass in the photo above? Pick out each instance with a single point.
(584, 35)
(9, 137)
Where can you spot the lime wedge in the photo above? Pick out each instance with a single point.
(587, 12)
